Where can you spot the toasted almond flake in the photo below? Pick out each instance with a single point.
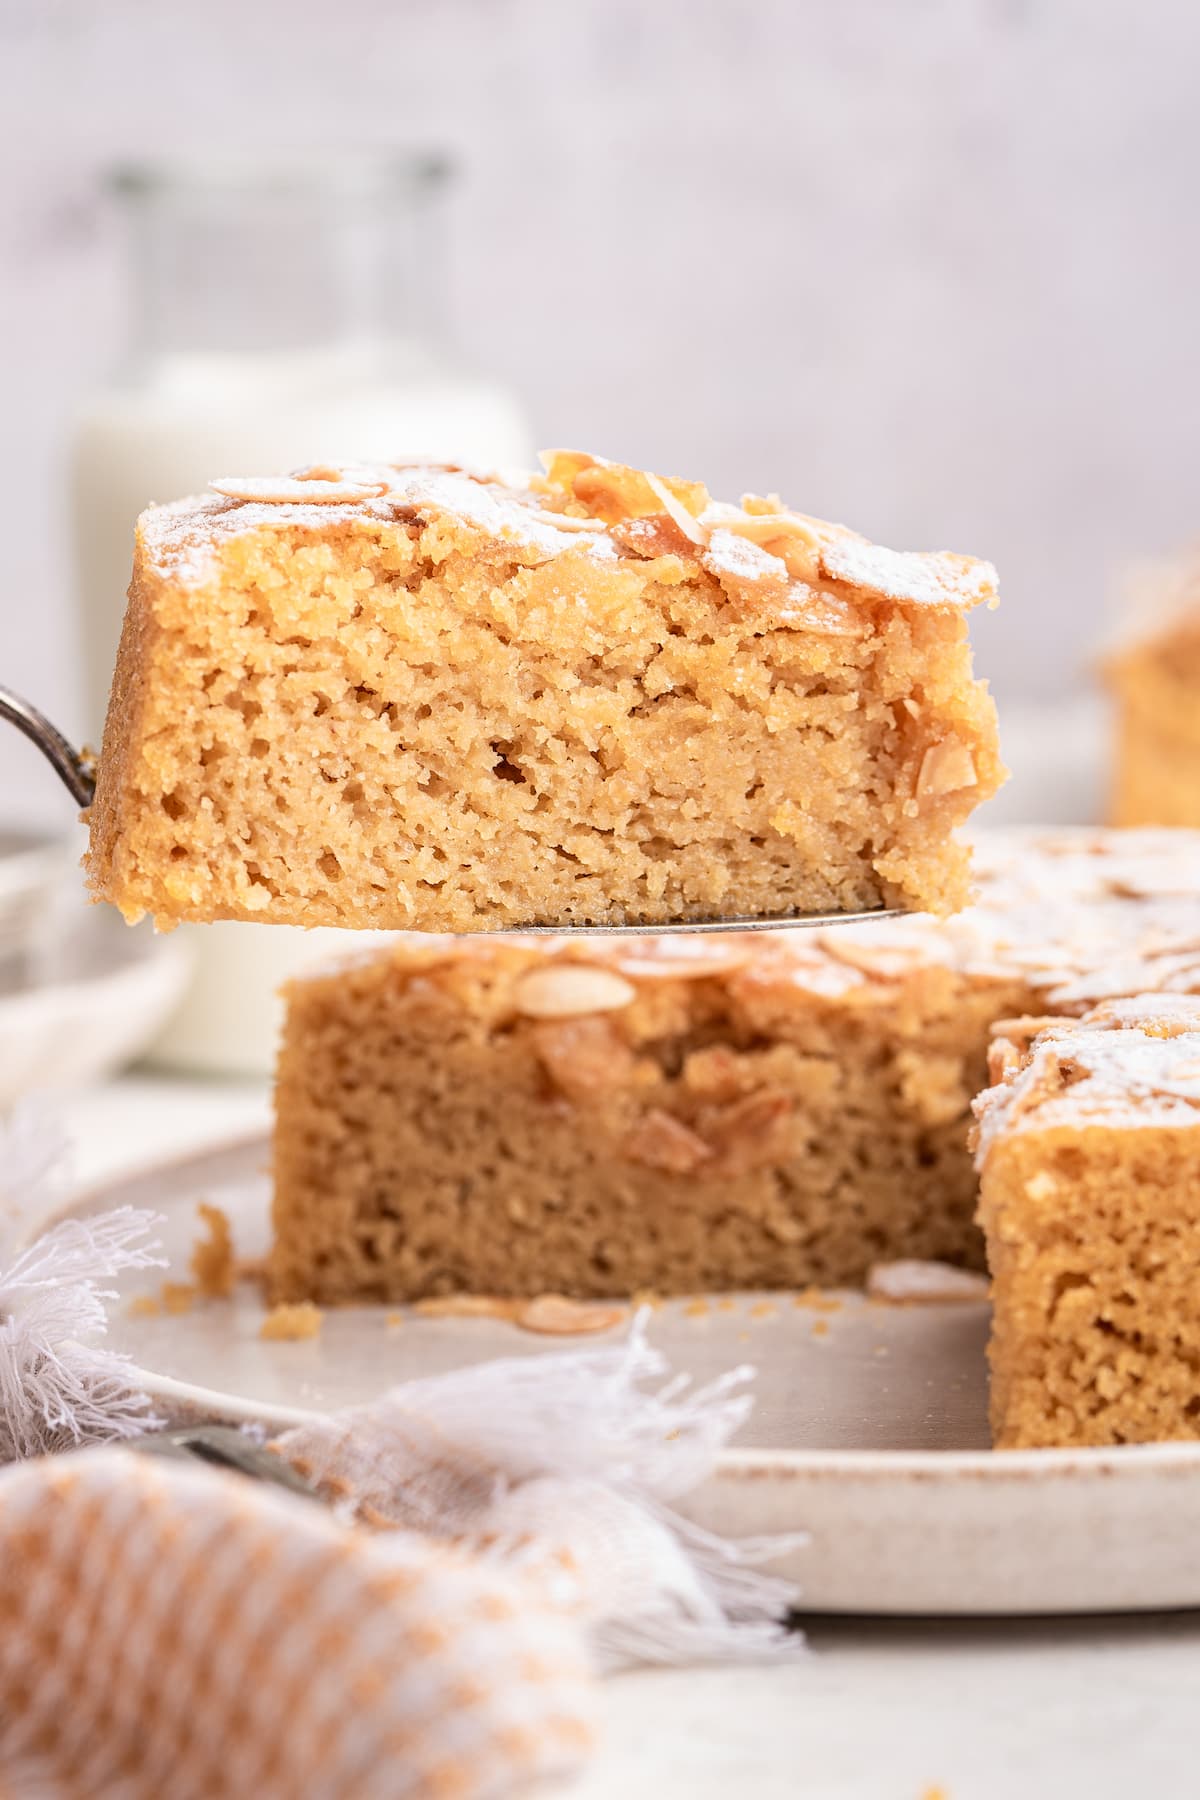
(750, 1132)
(278, 490)
(566, 521)
(464, 1306)
(749, 574)
(945, 769)
(762, 528)
(911, 1281)
(584, 1057)
(568, 990)
(661, 1141)
(703, 959)
(825, 615)
(692, 529)
(890, 964)
(652, 536)
(922, 577)
(562, 466)
(558, 1316)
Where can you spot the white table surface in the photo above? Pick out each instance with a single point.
(879, 1709)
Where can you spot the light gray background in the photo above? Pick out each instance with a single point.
(928, 266)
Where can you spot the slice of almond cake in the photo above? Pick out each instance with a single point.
(420, 698)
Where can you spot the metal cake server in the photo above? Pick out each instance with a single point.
(77, 770)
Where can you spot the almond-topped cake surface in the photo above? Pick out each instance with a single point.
(512, 1115)
(421, 698)
(1089, 1149)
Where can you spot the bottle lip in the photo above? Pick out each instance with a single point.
(348, 173)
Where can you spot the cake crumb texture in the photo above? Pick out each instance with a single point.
(423, 699)
(213, 1265)
(1089, 1150)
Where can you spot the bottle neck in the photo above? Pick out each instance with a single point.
(257, 269)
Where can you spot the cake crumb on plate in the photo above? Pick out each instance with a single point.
(212, 1263)
(290, 1322)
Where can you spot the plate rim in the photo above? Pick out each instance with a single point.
(995, 1467)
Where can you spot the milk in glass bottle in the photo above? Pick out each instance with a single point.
(282, 314)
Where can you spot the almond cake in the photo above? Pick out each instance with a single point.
(1089, 1150)
(1155, 682)
(421, 698)
(516, 1115)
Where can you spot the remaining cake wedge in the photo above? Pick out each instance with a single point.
(1089, 1148)
(419, 698)
(510, 1115)
(513, 1116)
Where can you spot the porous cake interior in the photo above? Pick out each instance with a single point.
(432, 1137)
(370, 722)
(1094, 1243)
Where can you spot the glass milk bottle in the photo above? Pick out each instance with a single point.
(282, 315)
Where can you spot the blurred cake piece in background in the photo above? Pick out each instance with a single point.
(419, 697)
(1155, 681)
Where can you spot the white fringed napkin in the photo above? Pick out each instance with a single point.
(491, 1538)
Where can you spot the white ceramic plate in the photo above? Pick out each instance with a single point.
(869, 1430)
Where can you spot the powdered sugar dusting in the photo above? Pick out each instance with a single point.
(183, 539)
(1129, 1064)
(730, 554)
(930, 578)
(511, 515)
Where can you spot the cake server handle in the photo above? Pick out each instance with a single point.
(75, 768)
